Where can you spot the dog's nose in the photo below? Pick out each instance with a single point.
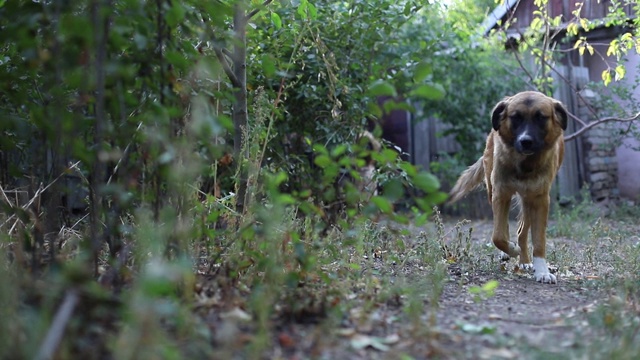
(526, 142)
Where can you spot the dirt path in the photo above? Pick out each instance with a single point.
(521, 314)
(401, 310)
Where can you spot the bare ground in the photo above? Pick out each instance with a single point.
(520, 319)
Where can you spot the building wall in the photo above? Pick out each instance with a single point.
(628, 159)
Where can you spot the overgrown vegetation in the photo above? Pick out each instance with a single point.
(184, 180)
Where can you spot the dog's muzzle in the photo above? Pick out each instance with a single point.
(525, 144)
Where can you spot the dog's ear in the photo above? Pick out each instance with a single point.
(561, 113)
(497, 114)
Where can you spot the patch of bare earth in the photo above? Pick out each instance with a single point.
(523, 318)
(519, 319)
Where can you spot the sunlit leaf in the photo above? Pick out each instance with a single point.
(381, 88)
(606, 77)
(383, 204)
(490, 286)
(268, 65)
(339, 150)
(620, 72)
(429, 91)
(426, 182)
(421, 71)
(312, 11)
(322, 160)
(276, 20)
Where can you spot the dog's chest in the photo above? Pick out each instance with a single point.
(528, 174)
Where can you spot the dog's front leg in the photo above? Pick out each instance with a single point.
(539, 214)
(523, 235)
(500, 204)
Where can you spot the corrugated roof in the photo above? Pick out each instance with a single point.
(497, 14)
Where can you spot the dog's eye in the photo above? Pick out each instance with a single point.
(541, 119)
(516, 118)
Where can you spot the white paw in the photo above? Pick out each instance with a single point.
(547, 278)
(528, 267)
(541, 271)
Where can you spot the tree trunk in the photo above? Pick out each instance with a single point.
(240, 113)
(98, 171)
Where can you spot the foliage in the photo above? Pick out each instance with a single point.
(136, 108)
(543, 39)
(131, 107)
(478, 78)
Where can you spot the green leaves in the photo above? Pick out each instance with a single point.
(429, 92)
(307, 10)
(485, 291)
(426, 182)
(176, 14)
(422, 71)
(382, 88)
(276, 20)
(383, 204)
(322, 161)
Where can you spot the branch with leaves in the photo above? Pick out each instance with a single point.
(550, 29)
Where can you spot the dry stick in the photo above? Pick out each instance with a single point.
(35, 196)
(124, 154)
(54, 335)
(219, 201)
(4, 195)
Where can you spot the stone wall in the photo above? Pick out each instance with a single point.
(600, 164)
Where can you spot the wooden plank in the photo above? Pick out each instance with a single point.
(569, 178)
(421, 144)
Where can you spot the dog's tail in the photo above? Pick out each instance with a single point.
(468, 181)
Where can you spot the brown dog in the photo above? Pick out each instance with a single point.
(522, 156)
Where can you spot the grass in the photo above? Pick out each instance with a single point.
(280, 285)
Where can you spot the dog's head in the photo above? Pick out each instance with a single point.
(529, 121)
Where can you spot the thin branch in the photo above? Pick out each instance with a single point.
(125, 153)
(598, 122)
(577, 119)
(226, 67)
(54, 335)
(253, 12)
(36, 196)
(524, 68)
(5, 197)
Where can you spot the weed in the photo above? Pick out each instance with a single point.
(485, 291)
(569, 223)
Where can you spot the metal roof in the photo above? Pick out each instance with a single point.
(497, 14)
